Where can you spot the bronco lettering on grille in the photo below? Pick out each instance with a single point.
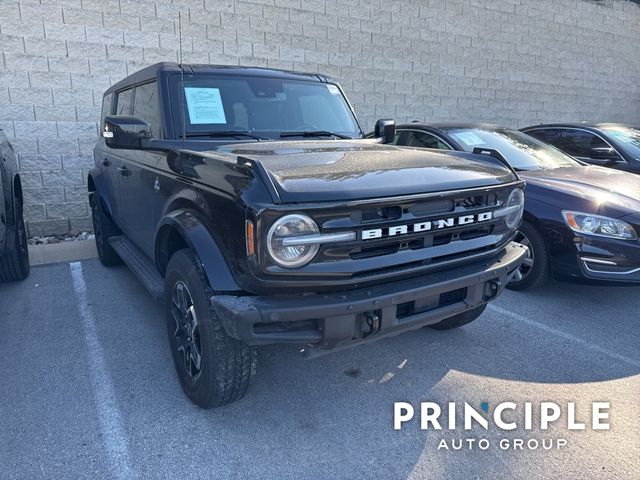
(425, 226)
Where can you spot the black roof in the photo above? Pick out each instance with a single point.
(490, 126)
(151, 72)
(588, 126)
(449, 125)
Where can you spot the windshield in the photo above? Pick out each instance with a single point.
(628, 139)
(259, 107)
(521, 151)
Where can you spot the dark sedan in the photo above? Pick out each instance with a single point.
(580, 222)
(606, 144)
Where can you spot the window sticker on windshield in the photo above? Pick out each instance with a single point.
(204, 105)
(333, 89)
(469, 138)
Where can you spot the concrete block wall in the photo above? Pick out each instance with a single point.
(513, 62)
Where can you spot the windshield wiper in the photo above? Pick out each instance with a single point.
(226, 133)
(314, 133)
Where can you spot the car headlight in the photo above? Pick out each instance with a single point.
(513, 209)
(589, 224)
(287, 255)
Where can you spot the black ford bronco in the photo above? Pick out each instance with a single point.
(249, 202)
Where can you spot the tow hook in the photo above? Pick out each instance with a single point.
(371, 324)
(491, 289)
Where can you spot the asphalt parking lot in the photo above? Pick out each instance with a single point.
(89, 390)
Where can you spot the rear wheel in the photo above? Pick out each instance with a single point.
(103, 229)
(214, 369)
(14, 262)
(535, 267)
(460, 319)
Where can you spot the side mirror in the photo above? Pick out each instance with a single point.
(604, 153)
(124, 131)
(386, 130)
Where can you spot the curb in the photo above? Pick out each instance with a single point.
(62, 252)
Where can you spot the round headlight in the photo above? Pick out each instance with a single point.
(292, 256)
(516, 199)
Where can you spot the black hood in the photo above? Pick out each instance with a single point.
(310, 171)
(600, 187)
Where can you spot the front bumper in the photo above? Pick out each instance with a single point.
(598, 269)
(599, 260)
(328, 322)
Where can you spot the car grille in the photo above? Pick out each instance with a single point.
(377, 258)
(416, 249)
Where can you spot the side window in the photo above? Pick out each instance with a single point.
(414, 138)
(579, 142)
(124, 102)
(548, 136)
(147, 107)
(397, 140)
(400, 139)
(107, 102)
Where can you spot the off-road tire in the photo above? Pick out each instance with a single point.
(103, 229)
(538, 273)
(460, 319)
(14, 262)
(227, 365)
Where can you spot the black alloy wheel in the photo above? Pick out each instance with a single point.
(187, 330)
(214, 368)
(103, 229)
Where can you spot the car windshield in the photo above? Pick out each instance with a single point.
(521, 151)
(628, 139)
(260, 107)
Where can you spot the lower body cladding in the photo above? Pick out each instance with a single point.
(330, 322)
(598, 260)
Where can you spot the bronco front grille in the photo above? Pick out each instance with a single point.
(427, 246)
(391, 245)
(411, 250)
(423, 208)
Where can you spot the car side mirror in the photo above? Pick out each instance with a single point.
(386, 130)
(124, 131)
(605, 153)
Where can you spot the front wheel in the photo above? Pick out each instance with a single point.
(103, 229)
(460, 319)
(214, 369)
(535, 267)
(14, 262)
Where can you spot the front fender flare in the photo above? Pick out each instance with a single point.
(95, 183)
(199, 239)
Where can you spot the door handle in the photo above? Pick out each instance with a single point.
(106, 162)
(124, 170)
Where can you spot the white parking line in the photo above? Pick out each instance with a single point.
(113, 433)
(568, 336)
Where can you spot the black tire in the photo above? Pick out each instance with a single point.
(226, 365)
(14, 262)
(103, 229)
(535, 269)
(460, 319)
